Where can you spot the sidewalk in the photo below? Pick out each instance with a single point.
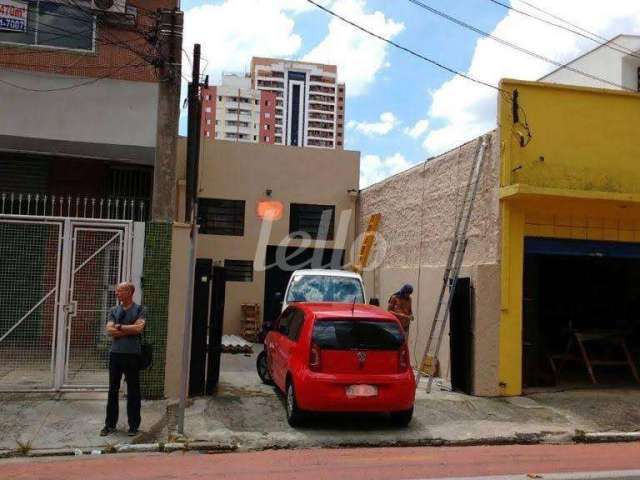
(247, 415)
(53, 423)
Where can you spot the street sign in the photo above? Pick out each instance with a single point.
(13, 15)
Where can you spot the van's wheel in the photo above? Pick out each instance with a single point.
(402, 418)
(263, 368)
(294, 415)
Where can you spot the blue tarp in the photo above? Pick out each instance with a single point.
(592, 248)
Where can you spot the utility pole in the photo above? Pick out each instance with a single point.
(169, 46)
(193, 157)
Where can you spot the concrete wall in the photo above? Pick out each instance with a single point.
(615, 66)
(114, 112)
(419, 208)
(177, 301)
(240, 171)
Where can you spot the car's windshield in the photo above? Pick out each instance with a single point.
(325, 288)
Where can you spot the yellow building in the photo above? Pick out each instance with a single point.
(570, 216)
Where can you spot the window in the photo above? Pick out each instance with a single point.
(238, 270)
(208, 97)
(266, 103)
(267, 127)
(360, 335)
(218, 216)
(315, 220)
(219, 98)
(207, 133)
(208, 109)
(295, 325)
(255, 138)
(283, 322)
(53, 24)
(267, 115)
(325, 288)
(257, 102)
(208, 121)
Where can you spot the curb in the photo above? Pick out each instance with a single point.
(607, 437)
(286, 444)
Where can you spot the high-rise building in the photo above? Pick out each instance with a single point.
(281, 102)
(234, 111)
(309, 101)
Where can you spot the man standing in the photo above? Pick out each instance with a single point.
(400, 306)
(125, 325)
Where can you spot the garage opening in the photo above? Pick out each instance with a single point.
(581, 313)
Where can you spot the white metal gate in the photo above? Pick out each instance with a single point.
(57, 280)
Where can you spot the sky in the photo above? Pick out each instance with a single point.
(401, 110)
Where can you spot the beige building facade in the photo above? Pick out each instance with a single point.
(235, 180)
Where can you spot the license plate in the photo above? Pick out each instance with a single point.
(362, 391)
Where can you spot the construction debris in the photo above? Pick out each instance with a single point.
(235, 344)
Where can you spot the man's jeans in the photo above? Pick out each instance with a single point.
(127, 364)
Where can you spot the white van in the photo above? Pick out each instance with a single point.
(317, 285)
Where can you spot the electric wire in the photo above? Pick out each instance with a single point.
(408, 50)
(101, 36)
(608, 44)
(70, 87)
(513, 45)
(557, 17)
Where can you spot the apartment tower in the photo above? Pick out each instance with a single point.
(280, 102)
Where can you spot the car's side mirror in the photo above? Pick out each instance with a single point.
(374, 301)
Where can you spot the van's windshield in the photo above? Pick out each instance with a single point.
(325, 288)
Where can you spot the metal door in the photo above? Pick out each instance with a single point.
(30, 263)
(100, 258)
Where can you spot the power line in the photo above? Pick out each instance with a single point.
(408, 50)
(513, 45)
(604, 39)
(606, 43)
(70, 87)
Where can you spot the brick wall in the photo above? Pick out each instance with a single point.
(267, 132)
(111, 51)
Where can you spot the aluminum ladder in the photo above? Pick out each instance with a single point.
(429, 364)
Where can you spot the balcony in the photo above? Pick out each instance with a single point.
(320, 107)
(322, 90)
(270, 84)
(320, 126)
(319, 134)
(270, 74)
(319, 143)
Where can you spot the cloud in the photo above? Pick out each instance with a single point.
(388, 122)
(232, 32)
(418, 129)
(463, 110)
(359, 57)
(373, 168)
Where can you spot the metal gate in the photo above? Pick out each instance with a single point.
(57, 284)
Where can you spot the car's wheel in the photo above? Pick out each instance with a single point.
(294, 415)
(402, 418)
(263, 369)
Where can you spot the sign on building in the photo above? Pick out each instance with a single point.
(13, 15)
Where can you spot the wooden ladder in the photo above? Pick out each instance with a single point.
(367, 243)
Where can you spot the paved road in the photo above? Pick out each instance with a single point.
(535, 461)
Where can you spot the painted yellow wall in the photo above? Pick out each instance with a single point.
(577, 178)
(589, 138)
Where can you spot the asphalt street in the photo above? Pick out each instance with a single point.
(595, 461)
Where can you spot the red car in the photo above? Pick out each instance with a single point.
(337, 357)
